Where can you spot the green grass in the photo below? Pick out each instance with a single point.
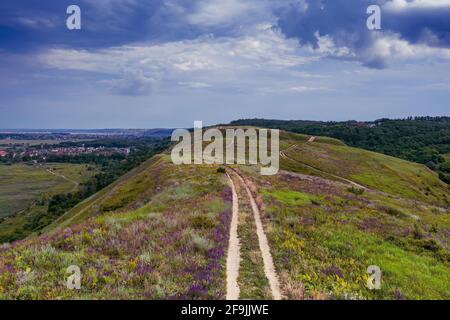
(376, 171)
(21, 184)
(292, 198)
(117, 195)
(324, 235)
(404, 273)
(161, 250)
(26, 189)
(252, 281)
(304, 138)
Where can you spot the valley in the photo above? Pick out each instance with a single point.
(165, 231)
(26, 189)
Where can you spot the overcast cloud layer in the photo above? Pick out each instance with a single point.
(164, 63)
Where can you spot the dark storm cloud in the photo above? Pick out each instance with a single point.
(345, 23)
(28, 25)
(421, 25)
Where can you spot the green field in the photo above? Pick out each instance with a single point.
(21, 184)
(25, 189)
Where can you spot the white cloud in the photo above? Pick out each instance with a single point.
(220, 62)
(266, 49)
(301, 89)
(396, 5)
(37, 22)
(391, 47)
(219, 13)
(385, 48)
(133, 83)
(327, 46)
(194, 85)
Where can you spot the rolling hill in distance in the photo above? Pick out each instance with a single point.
(162, 231)
(425, 140)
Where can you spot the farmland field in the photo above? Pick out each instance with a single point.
(24, 190)
(21, 184)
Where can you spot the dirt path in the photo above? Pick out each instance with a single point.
(63, 177)
(269, 267)
(353, 183)
(233, 256)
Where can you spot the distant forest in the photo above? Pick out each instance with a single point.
(424, 140)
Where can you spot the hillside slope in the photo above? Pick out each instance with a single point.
(171, 247)
(161, 231)
(373, 170)
(424, 140)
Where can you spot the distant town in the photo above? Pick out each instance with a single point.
(52, 145)
(43, 152)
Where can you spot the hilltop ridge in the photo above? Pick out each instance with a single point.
(161, 231)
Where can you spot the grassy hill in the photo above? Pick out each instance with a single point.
(373, 170)
(161, 231)
(325, 232)
(172, 246)
(424, 140)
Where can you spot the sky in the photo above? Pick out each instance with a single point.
(168, 63)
